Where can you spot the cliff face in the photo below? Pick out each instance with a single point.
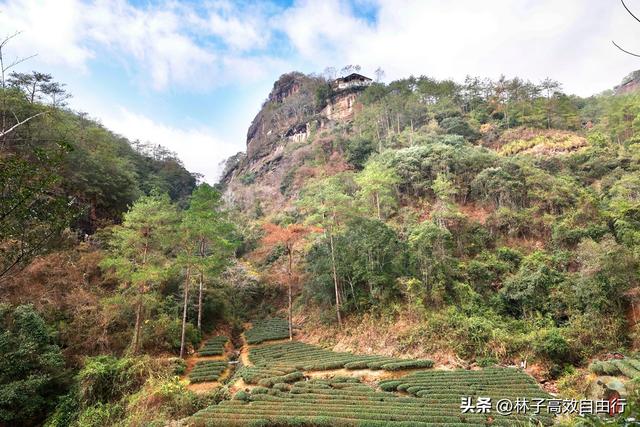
(342, 106)
(290, 101)
(281, 137)
(630, 83)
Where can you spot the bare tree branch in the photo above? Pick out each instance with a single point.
(14, 127)
(625, 51)
(7, 38)
(19, 61)
(630, 13)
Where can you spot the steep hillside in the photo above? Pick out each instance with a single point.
(378, 247)
(462, 222)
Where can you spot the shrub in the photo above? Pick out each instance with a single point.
(486, 362)
(179, 366)
(107, 378)
(553, 346)
(248, 178)
(31, 366)
(241, 395)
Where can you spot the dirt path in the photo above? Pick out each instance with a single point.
(244, 352)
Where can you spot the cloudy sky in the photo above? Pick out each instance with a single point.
(191, 75)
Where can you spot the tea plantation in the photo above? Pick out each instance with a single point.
(280, 394)
(213, 347)
(301, 356)
(628, 367)
(443, 387)
(208, 370)
(265, 330)
(348, 402)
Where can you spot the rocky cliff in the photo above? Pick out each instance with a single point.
(630, 83)
(292, 121)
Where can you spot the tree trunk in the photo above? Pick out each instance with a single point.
(200, 303)
(377, 197)
(411, 134)
(136, 329)
(138, 325)
(184, 310)
(335, 279)
(290, 297)
(201, 287)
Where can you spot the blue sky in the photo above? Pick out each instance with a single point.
(191, 75)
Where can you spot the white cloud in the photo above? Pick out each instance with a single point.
(199, 148)
(240, 26)
(163, 44)
(48, 29)
(197, 47)
(568, 40)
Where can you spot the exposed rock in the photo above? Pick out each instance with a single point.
(630, 83)
(285, 134)
(291, 102)
(342, 106)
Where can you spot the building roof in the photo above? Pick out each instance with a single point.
(353, 76)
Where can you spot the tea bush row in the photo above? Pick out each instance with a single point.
(265, 330)
(344, 402)
(312, 358)
(628, 367)
(214, 346)
(208, 370)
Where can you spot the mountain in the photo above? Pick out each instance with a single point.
(457, 230)
(465, 208)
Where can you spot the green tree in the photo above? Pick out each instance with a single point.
(430, 250)
(138, 251)
(328, 203)
(377, 183)
(526, 292)
(206, 245)
(31, 366)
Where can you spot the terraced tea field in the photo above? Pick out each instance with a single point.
(213, 347)
(278, 391)
(629, 367)
(448, 386)
(308, 357)
(348, 402)
(265, 330)
(208, 365)
(207, 370)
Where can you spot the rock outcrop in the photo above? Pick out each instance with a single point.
(630, 83)
(291, 103)
(286, 133)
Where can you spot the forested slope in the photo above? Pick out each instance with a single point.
(484, 220)
(459, 224)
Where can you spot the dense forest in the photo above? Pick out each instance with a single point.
(477, 223)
